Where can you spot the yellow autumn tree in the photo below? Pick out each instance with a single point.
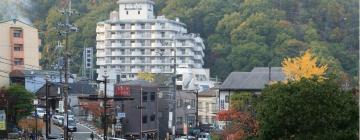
(146, 76)
(303, 67)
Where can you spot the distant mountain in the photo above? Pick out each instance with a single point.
(239, 34)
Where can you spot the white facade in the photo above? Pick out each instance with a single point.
(134, 41)
(207, 110)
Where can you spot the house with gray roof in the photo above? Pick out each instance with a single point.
(253, 81)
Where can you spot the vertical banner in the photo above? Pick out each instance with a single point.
(2, 120)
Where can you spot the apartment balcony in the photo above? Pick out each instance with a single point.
(99, 62)
(156, 27)
(136, 53)
(117, 27)
(18, 54)
(100, 54)
(100, 29)
(136, 62)
(136, 45)
(135, 27)
(136, 70)
(100, 37)
(117, 53)
(198, 57)
(115, 45)
(198, 48)
(156, 45)
(156, 61)
(155, 70)
(116, 62)
(155, 36)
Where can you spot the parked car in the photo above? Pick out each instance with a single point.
(58, 119)
(204, 136)
(40, 112)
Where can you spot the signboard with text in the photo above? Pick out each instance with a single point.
(2, 120)
(122, 91)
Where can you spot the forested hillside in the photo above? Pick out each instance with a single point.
(238, 34)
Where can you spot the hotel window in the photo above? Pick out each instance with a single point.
(122, 26)
(183, 51)
(142, 42)
(18, 33)
(18, 47)
(18, 61)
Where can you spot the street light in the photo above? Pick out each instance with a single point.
(188, 107)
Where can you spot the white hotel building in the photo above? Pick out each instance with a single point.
(133, 40)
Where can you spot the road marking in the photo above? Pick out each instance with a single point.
(81, 132)
(90, 130)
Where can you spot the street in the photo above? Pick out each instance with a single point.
(82, 133)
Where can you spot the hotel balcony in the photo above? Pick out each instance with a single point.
(136, 70)
(136, 53)
(156, 62)
(99, 62)
(155, 70)
(117, 27)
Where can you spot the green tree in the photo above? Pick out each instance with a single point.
(20, 103)
(307, 109)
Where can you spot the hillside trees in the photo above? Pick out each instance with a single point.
(284, 28)
(276, 28)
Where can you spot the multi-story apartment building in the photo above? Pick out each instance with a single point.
(19, 44)
(133, 40)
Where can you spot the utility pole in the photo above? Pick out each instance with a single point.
(47, 118)
(197, 108)
(67, 28)
(105, 99)
(174, 93)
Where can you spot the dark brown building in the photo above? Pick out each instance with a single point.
(141, 114)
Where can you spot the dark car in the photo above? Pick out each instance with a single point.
(71, 125)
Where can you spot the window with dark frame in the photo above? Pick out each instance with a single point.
(144, 96)
(18, 47)
(18, 61)
(17, 33)
(144, 119)
(226, 99)
(152, 117)
(152, 96)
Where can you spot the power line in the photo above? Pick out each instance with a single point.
(11, 64)
(24, 64)
(31, 81)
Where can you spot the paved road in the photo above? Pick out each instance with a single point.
(82, 132)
